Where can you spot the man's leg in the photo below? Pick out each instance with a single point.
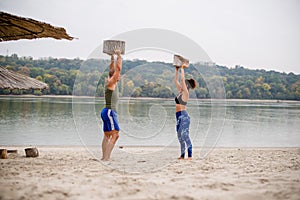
(111, 143)
(104, 145)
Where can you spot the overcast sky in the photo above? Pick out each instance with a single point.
(257, 34)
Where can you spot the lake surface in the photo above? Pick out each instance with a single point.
(149, 122)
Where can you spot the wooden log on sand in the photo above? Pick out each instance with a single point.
(31, 152)
(3, 153)
(12, 151)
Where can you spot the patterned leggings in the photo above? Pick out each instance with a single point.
(182, 128)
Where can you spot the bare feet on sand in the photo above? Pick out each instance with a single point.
(189, 158)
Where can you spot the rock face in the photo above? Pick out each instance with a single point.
(31, 152)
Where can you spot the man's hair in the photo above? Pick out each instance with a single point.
(190, 83)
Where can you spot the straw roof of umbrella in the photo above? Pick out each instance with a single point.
(13, 80)
(14, 28)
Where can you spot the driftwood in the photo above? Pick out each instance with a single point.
(13, 80)
(12, 151)
(14, 28)
(31, 152)
(179, 61)
(3, 153)
(110, 45)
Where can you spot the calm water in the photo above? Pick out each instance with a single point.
(76, 121)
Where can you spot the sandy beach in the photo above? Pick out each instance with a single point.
(136, 173)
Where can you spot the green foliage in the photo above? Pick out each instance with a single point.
(37, 92)
(151, 79)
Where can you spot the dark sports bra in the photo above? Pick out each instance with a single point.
(179, 100)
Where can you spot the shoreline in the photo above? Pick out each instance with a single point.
(138, 146)
(152, 98)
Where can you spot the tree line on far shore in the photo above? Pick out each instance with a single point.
(151, 79)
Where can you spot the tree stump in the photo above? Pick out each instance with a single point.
(178, 61)
(110, 45)
(3, 153)
(31, 152)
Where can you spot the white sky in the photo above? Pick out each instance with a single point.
(257, 34)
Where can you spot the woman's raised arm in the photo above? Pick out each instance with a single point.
(177, 84)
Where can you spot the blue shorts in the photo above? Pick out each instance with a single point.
(110, 120)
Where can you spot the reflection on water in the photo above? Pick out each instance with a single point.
(263, 124)
(57, 121)
(33, 121)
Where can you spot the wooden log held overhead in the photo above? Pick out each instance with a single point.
(31, 152)
(178, 61)
(109, 46)
(3, 153)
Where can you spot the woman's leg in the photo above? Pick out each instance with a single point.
(182, 144)
(186, 134)
(180, 137)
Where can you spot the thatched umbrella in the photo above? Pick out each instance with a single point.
(13, 80)
(14, 28)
